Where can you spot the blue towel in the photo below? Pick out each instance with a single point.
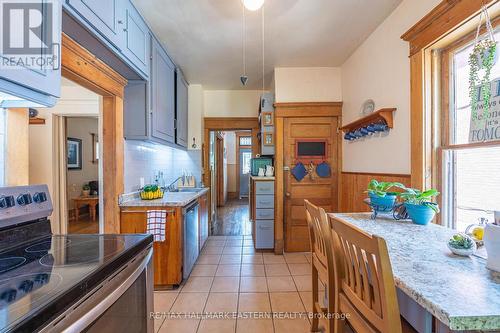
(299, 171)
(323, 170)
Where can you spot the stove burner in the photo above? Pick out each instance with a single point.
(85, 252)
(15, 288)
(6, 264)
(43, 246)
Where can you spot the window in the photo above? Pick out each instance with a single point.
(3, 129)
(470, 150)
(245, 140)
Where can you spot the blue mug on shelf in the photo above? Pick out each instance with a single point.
(348, 136)
(381, 127)
(364, 131)
(357, 134)
(371, 128)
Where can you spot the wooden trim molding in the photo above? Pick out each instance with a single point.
(308, 109)
(82, 67)
(37, 121)
(231, 123)
(444, 18)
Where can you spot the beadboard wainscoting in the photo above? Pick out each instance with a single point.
(354, 184)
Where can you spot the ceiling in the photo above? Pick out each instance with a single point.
(204, 37)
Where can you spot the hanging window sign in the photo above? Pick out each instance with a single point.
(483, 129)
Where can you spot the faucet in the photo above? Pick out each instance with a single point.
(171, 186)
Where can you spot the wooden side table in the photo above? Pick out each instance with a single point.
(91, 201)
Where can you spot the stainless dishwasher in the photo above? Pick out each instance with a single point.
(191, 242)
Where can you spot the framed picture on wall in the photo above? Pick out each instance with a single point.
(74, 151)
(267, 118)
(268, 139)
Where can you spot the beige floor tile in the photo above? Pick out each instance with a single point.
(228, 270)
(248, 242)
(179, 325)
(277, 270)
(204, 270)
(225, 284)
(280, 283)
(230, 259)
(189, 302)
(303, 282)
(222, 302)
(296, 258)
(253, 284)
(252, 270)
(198, 284)
(213, 250)
(208, 259)
(234, 237)
(163, 301)
(248, 250)
(158, 323)
(217, 326)
(218, 237)
(271, 258)
(234, 242)
(300, 269)
(254, 326)
(306, 297)
(294, 325)
(215, 243)
(308, 256)
(232, 250)
(252, 258)
(286, 302)
(247, 237)
(254, 302)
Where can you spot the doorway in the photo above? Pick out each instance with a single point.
(64, 140)
(232, 144)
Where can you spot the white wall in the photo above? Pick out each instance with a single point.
(380, 70)
(231, 103)
(307, 84)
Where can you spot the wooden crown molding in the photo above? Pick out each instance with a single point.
(231, 123)
(442, 19)
(75, 59)
(308, 109)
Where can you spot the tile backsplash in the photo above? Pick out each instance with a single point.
(144, 160)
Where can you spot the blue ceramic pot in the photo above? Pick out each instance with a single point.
(382, 204)
(420, 214)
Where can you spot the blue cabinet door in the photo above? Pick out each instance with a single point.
(162, 95)
(103, 16)
(37, 80)
(181, 115)
(135, 38)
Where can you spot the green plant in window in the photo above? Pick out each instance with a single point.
(481, 58)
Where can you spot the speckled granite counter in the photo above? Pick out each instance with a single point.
(170, 199)
(461, 292)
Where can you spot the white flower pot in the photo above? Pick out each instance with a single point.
(492, 245)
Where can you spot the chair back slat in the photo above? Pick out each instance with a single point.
(367, 281)
(316, 218)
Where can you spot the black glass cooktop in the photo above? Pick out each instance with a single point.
(39, 279)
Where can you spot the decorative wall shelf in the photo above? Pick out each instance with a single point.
(385, 115)
(37, 121)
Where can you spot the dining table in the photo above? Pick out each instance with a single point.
(437, 290)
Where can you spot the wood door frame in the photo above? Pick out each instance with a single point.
(238, 166)
(288, 110)
(225, 124)
(443, 20)
(219, 164)
(82, 67)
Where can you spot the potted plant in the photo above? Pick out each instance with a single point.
(86, 190)
(380, 199)
(492, 244)
(419, 206)
(484, 55)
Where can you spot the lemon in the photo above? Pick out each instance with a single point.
(478, 233)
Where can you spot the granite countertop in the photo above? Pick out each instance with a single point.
(460, 291)
(170, 199)
(262, 178)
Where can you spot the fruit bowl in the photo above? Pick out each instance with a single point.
(151, 192)
(462, 245)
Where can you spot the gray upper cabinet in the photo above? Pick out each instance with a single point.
(136, 37)
(103, 15)
(136, 110)
(162, 95)
(181, 112)
(37, 83)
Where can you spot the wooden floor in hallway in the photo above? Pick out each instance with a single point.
(84, 225)
(232, 219)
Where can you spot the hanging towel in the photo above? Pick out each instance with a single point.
(156, 220)
(323, 170)
(299, 171)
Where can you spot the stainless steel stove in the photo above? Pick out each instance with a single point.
(72, 283)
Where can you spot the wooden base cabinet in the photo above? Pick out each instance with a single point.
(167, 261)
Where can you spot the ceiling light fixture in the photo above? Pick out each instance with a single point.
(253, 5)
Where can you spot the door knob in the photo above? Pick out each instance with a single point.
(287, 194)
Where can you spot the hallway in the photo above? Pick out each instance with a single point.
(232, 219)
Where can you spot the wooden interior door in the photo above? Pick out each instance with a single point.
(322, 192)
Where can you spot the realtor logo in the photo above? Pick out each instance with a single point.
(28, 34)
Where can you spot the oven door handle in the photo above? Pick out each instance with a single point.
(90, 316)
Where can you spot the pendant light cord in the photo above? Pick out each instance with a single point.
(244, 41)
(263, 49)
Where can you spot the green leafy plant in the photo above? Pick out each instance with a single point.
(381, 188)
(481, 58)
(461, 241)
(417, 197)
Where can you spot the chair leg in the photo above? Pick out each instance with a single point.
(315, 300)
(332, 309)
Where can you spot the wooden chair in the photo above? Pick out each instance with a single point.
(367, 291)
(322, 266)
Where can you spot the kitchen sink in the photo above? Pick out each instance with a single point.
(189, 189)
